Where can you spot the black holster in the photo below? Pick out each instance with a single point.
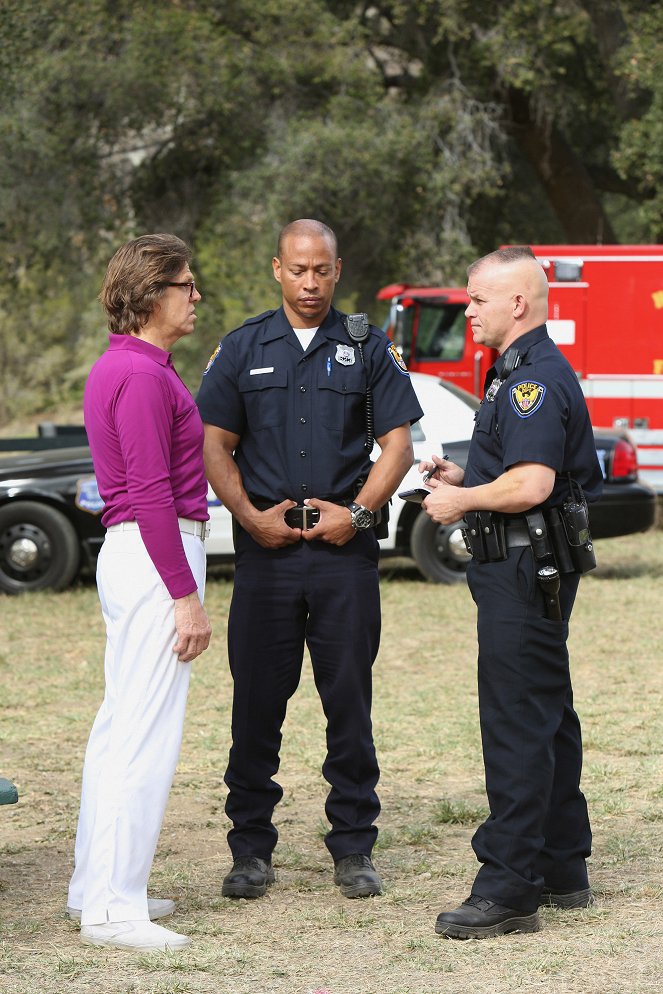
(569, 527)
(574, 516)
(547, 574)
(382, 528)
(559, 542)
(538, 536)
(484, 536)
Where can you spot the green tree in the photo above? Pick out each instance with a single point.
(424, 131)
(638, 157)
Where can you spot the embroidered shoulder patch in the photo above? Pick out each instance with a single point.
(88, 497)
(527, 397)
(210, 361)
(397, 359)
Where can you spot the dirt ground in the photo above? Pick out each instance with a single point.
(303, 937)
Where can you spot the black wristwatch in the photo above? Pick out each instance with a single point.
(361, 517)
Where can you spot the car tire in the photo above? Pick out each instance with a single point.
(438, 550)
(39, 549)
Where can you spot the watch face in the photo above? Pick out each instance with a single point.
(362, 517)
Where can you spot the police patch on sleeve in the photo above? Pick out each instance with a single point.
(397, 359)
(88, 497)
(210, 361)
(527, 397)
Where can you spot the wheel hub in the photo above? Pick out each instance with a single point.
(450, 544)
(457, 546)
(23, 553)
(25, 549)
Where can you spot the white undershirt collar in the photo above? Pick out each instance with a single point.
(305, 336)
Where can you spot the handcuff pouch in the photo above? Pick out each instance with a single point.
(484, 536)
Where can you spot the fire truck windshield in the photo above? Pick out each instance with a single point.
(430, 331)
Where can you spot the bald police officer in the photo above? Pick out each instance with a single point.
(284, 406)
(532, 433)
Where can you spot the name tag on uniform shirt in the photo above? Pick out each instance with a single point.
(263, 369)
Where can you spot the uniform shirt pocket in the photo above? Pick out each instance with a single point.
(265, 397)
(485, 418)
(341, 396)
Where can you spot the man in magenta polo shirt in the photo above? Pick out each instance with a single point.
(146, 439)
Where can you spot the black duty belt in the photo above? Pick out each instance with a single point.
(559, 538)
(300, 516)
(488, 536)
(516, 533)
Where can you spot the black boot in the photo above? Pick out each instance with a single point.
(479, 918)
(356, 876)
(250, 877)
(583, 898)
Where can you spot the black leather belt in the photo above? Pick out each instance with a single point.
(488, 536)
(300, 516)
(516, 533)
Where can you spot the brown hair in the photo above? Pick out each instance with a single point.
(515, 253)
(136, 278)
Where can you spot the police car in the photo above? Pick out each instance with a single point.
(50, 509)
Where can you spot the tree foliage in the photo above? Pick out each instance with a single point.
(425, 132)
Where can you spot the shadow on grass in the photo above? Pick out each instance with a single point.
(629, 571)
(400, 569)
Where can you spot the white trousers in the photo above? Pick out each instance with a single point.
(135, 739)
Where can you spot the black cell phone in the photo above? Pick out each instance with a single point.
(416, 495)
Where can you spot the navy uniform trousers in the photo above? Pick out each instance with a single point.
(538, 829)
(327, 597)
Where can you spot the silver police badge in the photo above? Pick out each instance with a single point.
(345, 354)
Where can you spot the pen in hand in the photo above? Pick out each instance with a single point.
(431, 472)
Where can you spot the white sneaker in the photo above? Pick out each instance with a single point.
(133, 935)
(155, 908)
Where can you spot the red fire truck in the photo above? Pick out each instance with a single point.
(605, 314)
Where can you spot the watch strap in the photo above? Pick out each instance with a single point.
(355, 508)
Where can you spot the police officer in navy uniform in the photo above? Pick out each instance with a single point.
(532, 431)
(284, 405)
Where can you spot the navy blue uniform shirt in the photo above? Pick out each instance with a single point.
(300, 414)
(538, 415)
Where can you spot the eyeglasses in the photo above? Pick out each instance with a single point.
(190, 283)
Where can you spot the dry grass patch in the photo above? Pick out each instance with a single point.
(303, 937)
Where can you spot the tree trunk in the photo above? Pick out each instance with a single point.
(565, 179)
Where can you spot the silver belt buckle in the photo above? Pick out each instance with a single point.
(311, 516)
(302, 516)
(201, 530)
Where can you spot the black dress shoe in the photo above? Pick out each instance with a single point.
(567, 898)
(356, 876)
(479, 918)
(250, 877)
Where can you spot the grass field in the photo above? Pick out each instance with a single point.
(303, 937)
